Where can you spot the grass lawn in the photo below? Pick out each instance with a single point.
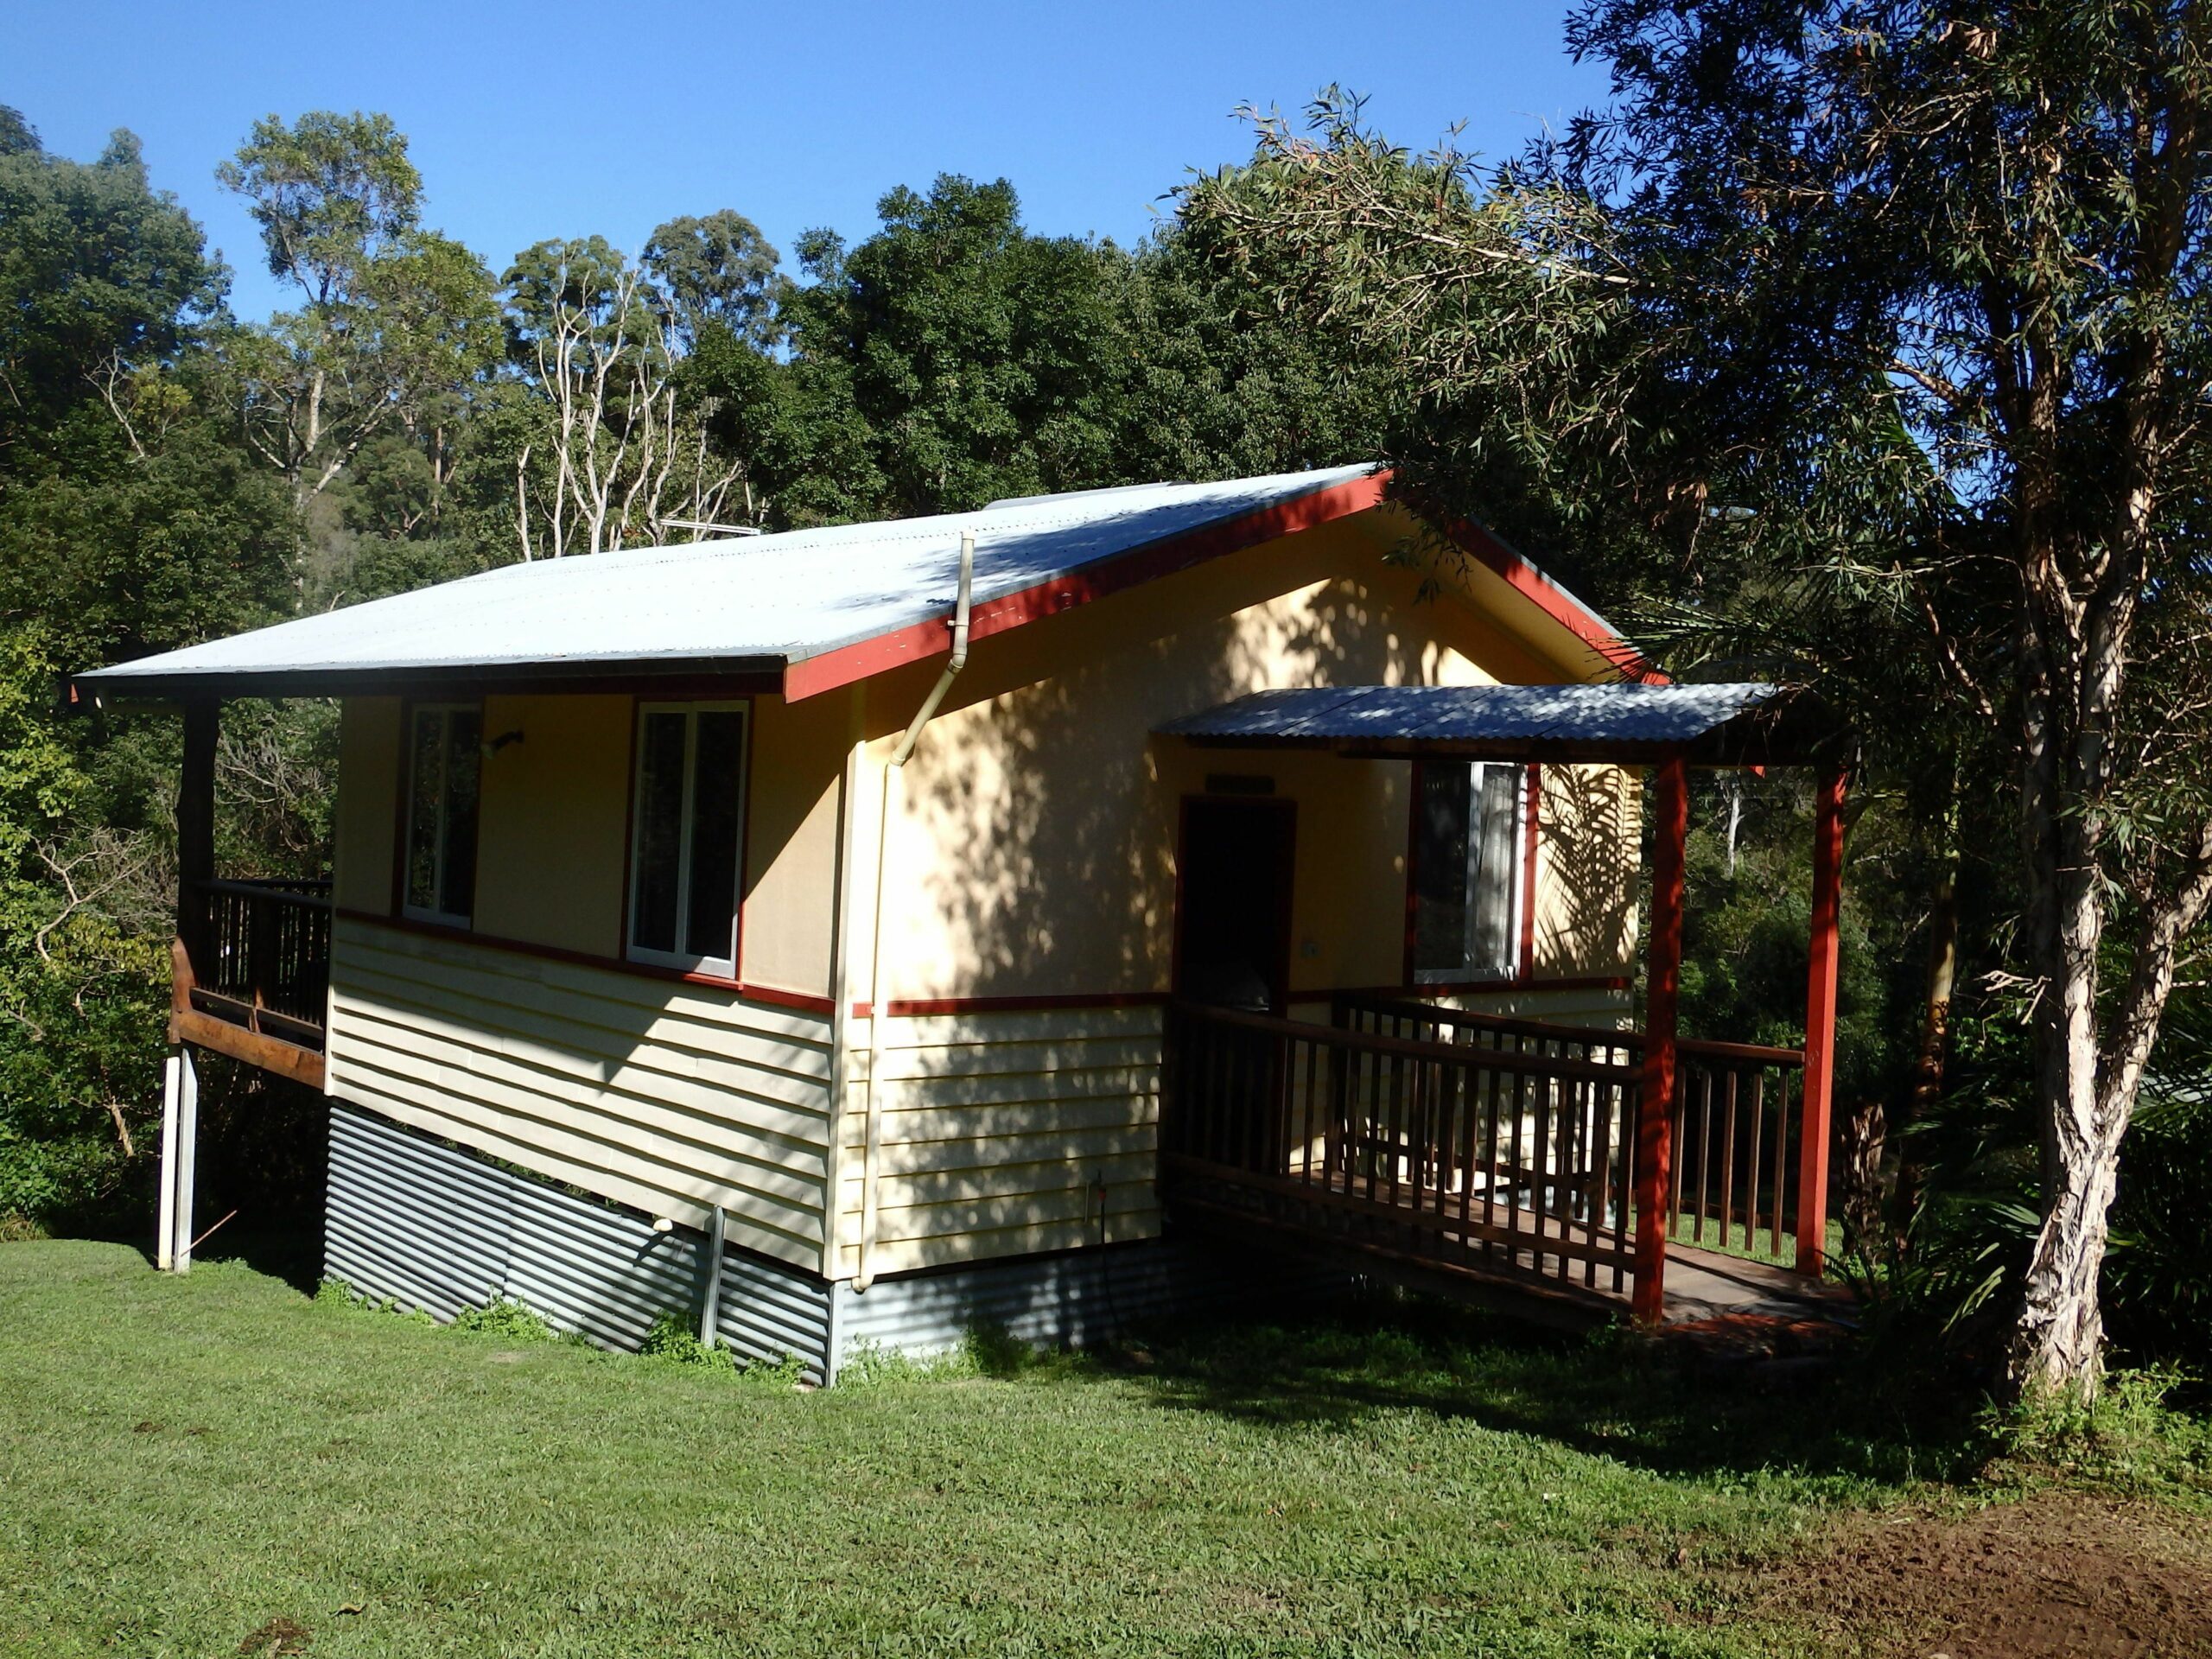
(221, 1465)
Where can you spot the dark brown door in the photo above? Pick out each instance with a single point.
(1233, 877)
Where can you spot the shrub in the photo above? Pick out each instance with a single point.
(674, 1341)
(2157, 1296)
(504, 1317)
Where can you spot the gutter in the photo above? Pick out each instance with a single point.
(893, 773)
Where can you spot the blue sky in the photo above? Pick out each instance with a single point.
(563, 119)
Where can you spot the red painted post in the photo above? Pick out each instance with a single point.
(1654, 1124)
(1819, 1025)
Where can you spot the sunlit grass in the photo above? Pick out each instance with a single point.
(184, 1461)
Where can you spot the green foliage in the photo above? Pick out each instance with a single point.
(953, 357)
(81, 987)
(2127, 1438)
(2159, 1294)
(99, 272)
(674, 1340)
(397, 326)
(129, 522)
(331, 193)
(504, 1317)
(719, 271)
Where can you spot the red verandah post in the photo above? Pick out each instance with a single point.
(1820, 1024)
(1670, 822)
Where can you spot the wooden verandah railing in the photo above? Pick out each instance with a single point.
(1476, 1145)
(251, 971)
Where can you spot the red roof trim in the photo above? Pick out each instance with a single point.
(922, 640)
(1555, 602)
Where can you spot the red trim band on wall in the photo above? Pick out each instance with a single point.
(773, 996)
(923, 640)
(917, 1008)
(1469, 986)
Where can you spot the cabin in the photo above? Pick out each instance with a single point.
(1036, 917)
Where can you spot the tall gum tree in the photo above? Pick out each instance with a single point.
(389, 316)
(1819, 268)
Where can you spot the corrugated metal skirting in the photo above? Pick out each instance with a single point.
(435, 1227)
(440, 1229)
(1062, 1300)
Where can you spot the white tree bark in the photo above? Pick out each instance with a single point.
(623, 458)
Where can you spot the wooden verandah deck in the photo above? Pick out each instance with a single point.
(1489, 1158)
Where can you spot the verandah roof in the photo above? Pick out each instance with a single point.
(1743, 723)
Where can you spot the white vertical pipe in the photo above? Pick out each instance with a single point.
(710, 1311)
(165, 1230)
(187, 1141)
(841, 981)
(877, 1018)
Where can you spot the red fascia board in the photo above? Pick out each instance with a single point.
(922, 640)
(1555, 602)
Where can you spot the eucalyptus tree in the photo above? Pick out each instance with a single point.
(1886, 313)
(717, 269)
(393, 320)
(622, 453)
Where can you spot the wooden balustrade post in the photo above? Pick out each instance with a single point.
(1819, 1025)
(261, 932)
(1663, 971)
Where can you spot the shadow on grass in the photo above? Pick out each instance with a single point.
(1611, 1394)
(291, 1254)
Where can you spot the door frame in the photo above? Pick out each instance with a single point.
(1284, 807)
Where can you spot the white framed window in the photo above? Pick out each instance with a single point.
(1469, 823)
(444, 762)
(686, 832)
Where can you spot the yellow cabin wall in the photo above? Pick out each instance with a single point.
(665, 1095)
(1587, 837)
(554, 818)
(365, 826)
(552, 835)
(1032, 855)
(790, 841)
(667, 1098)
(1035, 850)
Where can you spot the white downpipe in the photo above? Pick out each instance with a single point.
(893, 771)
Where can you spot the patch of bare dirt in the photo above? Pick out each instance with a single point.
(2053, 1575)
(278, 1639)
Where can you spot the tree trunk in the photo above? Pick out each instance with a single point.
(1865, 1132)
(2057, 1336)
(2059, 1343)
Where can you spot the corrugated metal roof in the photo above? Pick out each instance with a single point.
(1565, 716)
(755, 601)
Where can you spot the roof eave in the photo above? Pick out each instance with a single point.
(666, 677)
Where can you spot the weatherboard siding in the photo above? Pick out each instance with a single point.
(666, 1097)
(999, 1130)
